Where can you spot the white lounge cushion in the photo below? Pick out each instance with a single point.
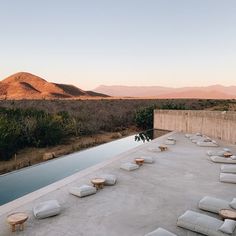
(82, 191)
(170, 142)
(228, 178)
(213, 204)
(109, 179)
(129, 166)
(200, 223)
(171, 138)
(154, 149)
(219, 153)
(188, 135)
(228, 226)
(233, 157)
(148, 160)
(207, 144)
(227, 149)
(229, 168)
(194, 140)
(204, 139)
(218, 159)
(160, 232)
(195, 137)
(233, 203)
(47, 209)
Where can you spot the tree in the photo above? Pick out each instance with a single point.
(144, 117)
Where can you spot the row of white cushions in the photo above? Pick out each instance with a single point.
(86, 190)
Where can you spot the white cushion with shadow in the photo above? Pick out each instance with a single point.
(171, 138)
(227, 149)
(213, 204)
(228, 227)
(215, 153)
(228, 178)
(229, 168)
(129, 166)
(148, 160)
(170, 142)
(109, 179)
(47, 209)
(188, 135)
(207, 144)
(196, 137)
(82, 191)
(194, 140)
(200, 223)
(218, 159)
(160, 232)
(154, 149)
(233, 203)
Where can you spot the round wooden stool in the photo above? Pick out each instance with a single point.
(162, 148)
(98, 183)
(139, 161)
(17, 218)
(228, 154)
(227, 214)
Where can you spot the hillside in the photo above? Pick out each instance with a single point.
(209, 92)
(24, 85)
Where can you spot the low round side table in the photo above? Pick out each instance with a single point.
(139, 161)
(228, 214)
(228, 154)
(98, 183)
(162, 148)
(17, 218)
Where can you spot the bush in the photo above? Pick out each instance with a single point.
(21, 128)
(144, 117)
(49, 131)
(9, 137)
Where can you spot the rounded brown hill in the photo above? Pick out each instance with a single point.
(25, 85)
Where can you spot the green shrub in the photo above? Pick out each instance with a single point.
(144, 117)
(49, 131)
(9, 137)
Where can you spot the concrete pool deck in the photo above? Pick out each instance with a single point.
(142, 200)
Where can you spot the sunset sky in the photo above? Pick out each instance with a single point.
(125, 42)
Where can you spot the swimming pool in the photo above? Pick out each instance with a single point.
(27, 180)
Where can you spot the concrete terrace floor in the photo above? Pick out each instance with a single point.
(141, 201)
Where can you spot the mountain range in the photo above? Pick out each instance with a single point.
(208, 92)
(24, 85)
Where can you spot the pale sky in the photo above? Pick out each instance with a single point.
(120, 42)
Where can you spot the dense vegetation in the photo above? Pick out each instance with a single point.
(20, 128)
(21, 125)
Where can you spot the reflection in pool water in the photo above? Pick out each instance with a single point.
(148, 135)
(144, 136)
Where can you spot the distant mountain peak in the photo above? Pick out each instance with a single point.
(22, 76)
(24, 85)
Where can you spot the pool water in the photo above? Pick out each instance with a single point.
(27, 180)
